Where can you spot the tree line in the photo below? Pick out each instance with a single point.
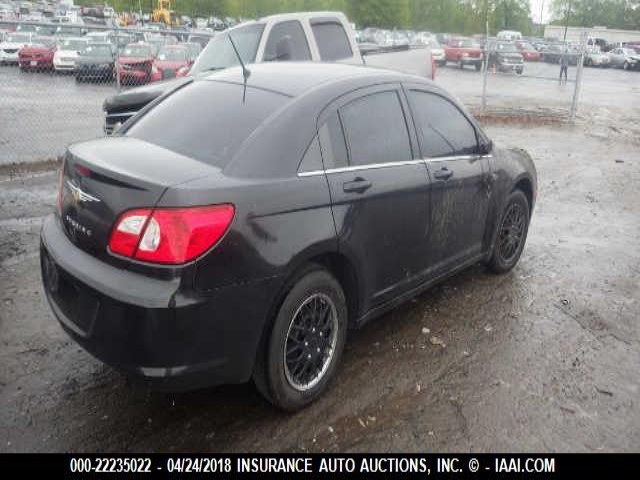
(455, 16)
(623, 14)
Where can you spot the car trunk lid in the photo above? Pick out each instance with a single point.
(103, 178)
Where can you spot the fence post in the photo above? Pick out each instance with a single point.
(117, 63)
(578, 84)
(485, 65)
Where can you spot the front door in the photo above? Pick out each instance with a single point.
(459, 195)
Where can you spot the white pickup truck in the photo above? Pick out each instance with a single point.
(291, 37)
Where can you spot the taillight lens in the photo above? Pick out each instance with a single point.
(170, 235)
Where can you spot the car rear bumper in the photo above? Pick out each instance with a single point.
(154, 330)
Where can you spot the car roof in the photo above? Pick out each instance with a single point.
(295, 78)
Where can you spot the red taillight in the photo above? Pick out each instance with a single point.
(170, 235)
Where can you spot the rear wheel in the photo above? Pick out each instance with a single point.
(625, 65)
(478, 66)
(460, 64)
(304, 348)
(512, 233)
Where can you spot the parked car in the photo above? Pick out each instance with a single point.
(625, 58)
(509, 35)
(249, 254)
(528, 52)
(95, 62)
(135, 62)
(194, 51)
(437, 52)
(172, 61)
(67, 30)
(505, 57)
(12, 43)
(202, 38)
(37, 56)
(594, 57)
(64, 59)
(554, 52)
(463, 52)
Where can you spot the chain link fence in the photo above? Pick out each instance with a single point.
(55, 78)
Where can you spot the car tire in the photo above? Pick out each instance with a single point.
(478, 67)
(625, 65)
(460, 64)
(512, 233)
(285, 380)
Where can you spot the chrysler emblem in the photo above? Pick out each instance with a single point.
(79, 195)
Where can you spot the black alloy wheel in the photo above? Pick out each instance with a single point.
(512, 233)
(300, 355)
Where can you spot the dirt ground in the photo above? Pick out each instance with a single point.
(545, 358)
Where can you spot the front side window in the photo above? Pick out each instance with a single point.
(376, 130)
(332, 41)
(442, 128)
(287, 43)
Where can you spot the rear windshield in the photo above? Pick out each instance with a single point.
(207, 120)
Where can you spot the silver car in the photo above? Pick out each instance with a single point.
(594, 57)
(627, 58)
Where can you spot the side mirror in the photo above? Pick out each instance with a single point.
(485, 147)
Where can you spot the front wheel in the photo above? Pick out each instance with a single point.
(478, 67)
(625, 66)
(512, 233)
(460, 64)
(306, 342)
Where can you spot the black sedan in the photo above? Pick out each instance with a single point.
(95, 63)
(241, 240)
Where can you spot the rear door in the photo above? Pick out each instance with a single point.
(459, 198)
(379, 189)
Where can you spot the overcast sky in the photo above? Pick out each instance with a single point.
(535, 10)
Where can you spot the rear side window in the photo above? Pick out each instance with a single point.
(442, 128)
(376, 130)
(334, 150)
(287, 43)
(207, 120)
(332, 41)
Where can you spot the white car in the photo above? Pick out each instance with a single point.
(65, 57)
(12, 43)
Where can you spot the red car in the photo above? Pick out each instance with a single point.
(135, 63)
(463, 51)
(172, 61)
(529, 54)
(38, 55)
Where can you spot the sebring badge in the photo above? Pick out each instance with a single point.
(79, 195)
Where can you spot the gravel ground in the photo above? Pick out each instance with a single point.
(545, 358)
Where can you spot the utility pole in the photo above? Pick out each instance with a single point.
(485, 60)
(541, 21)
(566, 24)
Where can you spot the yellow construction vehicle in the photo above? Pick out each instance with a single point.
(164, 13)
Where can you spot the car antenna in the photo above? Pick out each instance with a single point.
(245, 71)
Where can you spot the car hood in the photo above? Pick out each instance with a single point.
(35, 51)
(172, 64)
(510, 55)
(11, 45)
(94, 60)
(138, 97)
(66, 53)
(132, 60)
